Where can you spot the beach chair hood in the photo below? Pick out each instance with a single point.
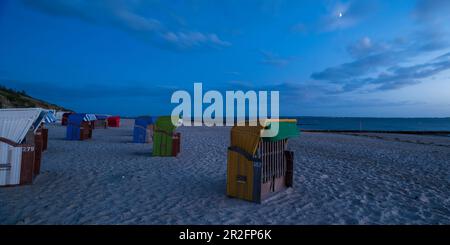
(164, 123)
(15, 123)
(50, 117)
(143, 121)
(247, 137)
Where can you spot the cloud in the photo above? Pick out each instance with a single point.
(185, 40)
(378, 64)
(432, 11)
(429, 38)
(305, 97)
(91, 91)
(393, 77)
(273, 59)
(134, 22)
(338, 102)
(399, 77)
(124, 15)
(357, 68)
(432, 18)
(289, 91)
(365, 47)
(398, 63)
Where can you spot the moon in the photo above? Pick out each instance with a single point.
(340, 14)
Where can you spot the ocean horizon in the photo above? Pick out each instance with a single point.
(388, 124)
(374, 123)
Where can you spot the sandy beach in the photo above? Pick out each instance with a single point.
(339, 179)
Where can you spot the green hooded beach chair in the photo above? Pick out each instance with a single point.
(165, 141)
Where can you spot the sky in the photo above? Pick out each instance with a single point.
(326, 58)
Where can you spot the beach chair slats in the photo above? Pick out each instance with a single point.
(273, 159)
(17, 162)
(15, 123)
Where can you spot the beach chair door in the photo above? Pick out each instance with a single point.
(240, 177)
(162, 143)
(73, 132)
(16, 164)
(137, 134)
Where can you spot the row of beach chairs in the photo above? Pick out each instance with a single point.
(258, 164)
(158, 131)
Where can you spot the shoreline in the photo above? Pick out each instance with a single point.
(438, 133)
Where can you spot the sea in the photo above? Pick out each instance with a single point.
(373, 124)
(370, 124)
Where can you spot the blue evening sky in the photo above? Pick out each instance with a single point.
(327, 58)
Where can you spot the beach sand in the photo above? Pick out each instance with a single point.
(338, 179)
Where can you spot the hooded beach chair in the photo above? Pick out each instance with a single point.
(259, 165)
(65, 118)
(165, 141)
(114, 121)
(100, 122)
(143, 129)
(20, 152)
(79, 127)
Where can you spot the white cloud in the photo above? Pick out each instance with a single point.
(122, 14)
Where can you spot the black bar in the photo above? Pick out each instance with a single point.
(297, 234)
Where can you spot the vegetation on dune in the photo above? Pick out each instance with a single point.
(10, 98)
